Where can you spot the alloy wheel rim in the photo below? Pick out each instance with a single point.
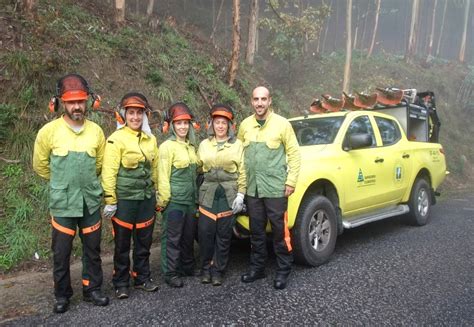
(319, 230)
(423, 202)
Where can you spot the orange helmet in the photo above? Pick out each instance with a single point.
(222, 110)
(178, 111)
(72, 87)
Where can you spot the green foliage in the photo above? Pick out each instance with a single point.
(8, 116)
(21, 140)
(280, 102)
(190, 99)
(12, 170)
(18, 62)
(203, 67)
(164, 60)
(191, 83)
(290, 31)
(28, 94)
(174, 41)
(164, 94)
(20, 233)
(154, 77)
(227, 95)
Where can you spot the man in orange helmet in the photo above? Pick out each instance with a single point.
(68, 152)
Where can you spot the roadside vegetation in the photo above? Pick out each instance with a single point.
(167, 63)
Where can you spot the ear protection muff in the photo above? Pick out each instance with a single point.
(54, 101)
(96, 99)
(166, 125)
(119, 118)
(53, 104)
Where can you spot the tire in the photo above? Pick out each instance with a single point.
(420, 203)
(315, 231)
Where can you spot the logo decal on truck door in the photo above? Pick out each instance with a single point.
(360, 177)
(398, 173)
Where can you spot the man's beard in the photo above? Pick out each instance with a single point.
(76, 115)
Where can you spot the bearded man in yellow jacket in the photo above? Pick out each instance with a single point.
(69, 152)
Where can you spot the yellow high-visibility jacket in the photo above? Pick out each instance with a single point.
(271, 155)
(130, 169)
(177, 166)
(71, 161)
(221, 166)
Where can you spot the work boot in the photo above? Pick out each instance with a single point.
(280, 282)
(174, 281)
(96, 297)
(206, 277)
(216, 280)
(252, 276)
(61, 305)
(147, 286)
(122, 292)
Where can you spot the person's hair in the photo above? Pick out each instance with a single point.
(265, 85)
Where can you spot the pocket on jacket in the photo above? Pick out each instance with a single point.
(130, 162)
(92, 152)
(94, 189)
(202, 192)
(58, 196)
(59, 152)
(273, 143)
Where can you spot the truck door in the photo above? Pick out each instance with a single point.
(361, 170)
(397, 160)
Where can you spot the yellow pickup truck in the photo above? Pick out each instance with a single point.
(359, 167)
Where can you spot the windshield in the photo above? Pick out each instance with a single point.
(317, 130)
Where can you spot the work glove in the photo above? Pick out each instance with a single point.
(238, 203)
(109, 210)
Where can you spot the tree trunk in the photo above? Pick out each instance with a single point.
(149, 9)
(462, 50)
(328, 20)
(356, 30)
(374, 33)
(119, 11)
(216, 22)
(412, 37)
(442, 27)
(234, 62)
(430, 43)
(253, 22)
(347, 66)
(362, 39)
(336, 32)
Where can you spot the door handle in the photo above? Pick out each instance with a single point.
(406, 156)
(378, 160)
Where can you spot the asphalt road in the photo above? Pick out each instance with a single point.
(385, 273)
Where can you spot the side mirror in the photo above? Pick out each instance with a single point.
(357, 141)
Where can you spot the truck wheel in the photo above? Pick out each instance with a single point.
(420, 203)
(315, 231)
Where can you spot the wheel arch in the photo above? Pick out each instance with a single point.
(424, 173)
(326, 188)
